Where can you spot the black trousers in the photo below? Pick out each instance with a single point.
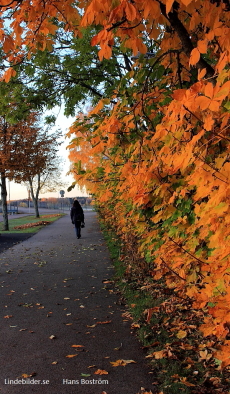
(78, 228)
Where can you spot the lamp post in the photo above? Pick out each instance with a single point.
(62, 194)
(29, 199)
(9, 192)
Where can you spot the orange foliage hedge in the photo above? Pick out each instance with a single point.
(157, 159)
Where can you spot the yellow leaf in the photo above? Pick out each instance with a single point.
(223, 91)
(203, 354)
(181, 334)
(160, 354)
(122, 363)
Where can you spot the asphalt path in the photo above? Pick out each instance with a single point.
(62, 323)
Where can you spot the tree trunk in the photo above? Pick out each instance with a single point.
(4, 202)
(35, 201)
(34, 198)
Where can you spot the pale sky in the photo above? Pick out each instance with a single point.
(16, 191)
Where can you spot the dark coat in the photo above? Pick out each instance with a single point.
(77, 214)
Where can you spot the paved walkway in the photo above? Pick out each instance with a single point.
(61, 320)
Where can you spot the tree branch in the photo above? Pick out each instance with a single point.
(185, 39)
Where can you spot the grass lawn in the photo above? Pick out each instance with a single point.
(30, 224)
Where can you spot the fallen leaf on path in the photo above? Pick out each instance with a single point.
(41, 263)
(71, 355)
(54, 363)
(77, 346)
(8, 316)
(119, 347)
(122, 363)
(52, 337)
(66, 298)
(101, 372)
(26, 305)
(104, 322)
(127, 315)
(25, 375)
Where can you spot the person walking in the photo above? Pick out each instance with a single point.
(77, 217)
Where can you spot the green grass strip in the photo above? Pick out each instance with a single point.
(27, 220)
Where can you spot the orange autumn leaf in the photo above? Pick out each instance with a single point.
(77, 346)
(71, 355)
(100, 372)
(159, 354)
(201, 73)
(130, 11)
(202, 46)
(169, 4)
(122, 363)
(104, 322)
(194, 57)
(179, 94)
(9, 74)
(208, 90)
